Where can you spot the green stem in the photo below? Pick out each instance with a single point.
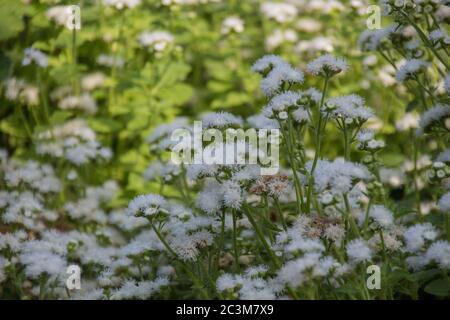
(42, 93)
(447, 225)
(25, 122)
(221, 240)
(347, 146)
(76, 88)
(318, 143)
(415, 175)
(350, 218)
(235, 243)
(42, 283)
(289, 148)
(186, 268)
(261, 237)
(280, 214)
(424, 39)
(319, 127)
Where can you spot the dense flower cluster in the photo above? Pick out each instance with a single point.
(86, 177)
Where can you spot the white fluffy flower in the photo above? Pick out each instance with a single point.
(147, 205)
(232, 195)
(409, 121)
(318, 44)
(301, 115)
(59, 14)
(92, 81)
(279, 72)
(447, 83)
(415, 236)
(439, 35)
(280, 12)
(232, 24)
(109, 61)
(382, 216)
(410, 68)
(338, 176)
(165, 130)
(281, 102)
(444, 203)
(371, 40)
(327, 64)
(121, 4)
(358, 251)
(84, 102)
(260, 121)
(365, 135)
(141, 290)
(220, 120)
(210, 199)
(444, 156)
(430, 117)
(439, 252)
(35, 56)
(41, 257)
(278, 37)
(351, 107)
(157, 40)
(228, 282)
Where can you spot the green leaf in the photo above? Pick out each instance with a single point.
(233, 99)
(59, 117)
(217, 70)
(218, 86)
(139, 121)
(398, 275)
(5, 65)
(11, 12)
(66, 72)
(104, 125)
(174, 72)
(439, 287)
(392, 159)
(177, 94)
(414, 104)
(424, 276)
(13, 126)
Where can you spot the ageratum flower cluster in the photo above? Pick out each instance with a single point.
(86, 138)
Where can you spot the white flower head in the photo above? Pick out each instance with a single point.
(350, 108)
(381, 216)
(59, 14)
(147, 205)
(358, 251)
(277, 72)
(232, 24)
(444, 203)
(157, 40)
(439, 36)
(411, 68)
(280, 12)
(439, 252)
(282, 102)
(327, 65)
(338, 176)
(221, 120)
(232, 195)
(417, 235)
(432, 117)
(35, 56)
(409, 121)
(447, 84)
(122, 4)
(372, 40)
